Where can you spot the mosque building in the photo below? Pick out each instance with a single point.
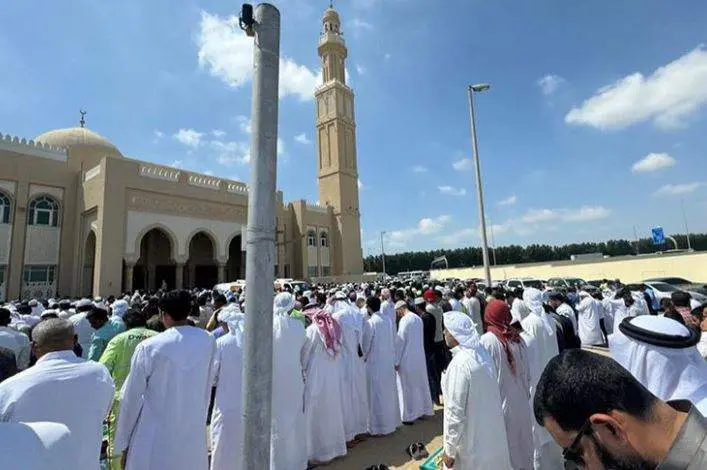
(78, 218)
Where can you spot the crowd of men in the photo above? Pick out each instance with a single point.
(134, 380)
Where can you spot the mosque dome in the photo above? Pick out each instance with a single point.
(79, 137)
(331, 16)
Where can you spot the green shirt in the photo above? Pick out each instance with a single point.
(297, 315)
(119, 353)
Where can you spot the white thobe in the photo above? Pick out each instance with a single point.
(37, 446)
(83, 331)
(473, 308)
(519, 310)
(589, 311)
(566, 311)
(618, 311)
(474, 431)
(226, 421)
(165, 401)
(514, 387)
(287, 446)
(353, 388)
(326, 437)
(413, 384)
(379, 354)
(456, 305)
(541, 337)
(18, 343)
(65, 389)
(387, 311)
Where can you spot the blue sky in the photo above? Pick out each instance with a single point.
(594, 123)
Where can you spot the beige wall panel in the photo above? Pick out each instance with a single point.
(8, 186)
(36, 189)
(5, 242)
(42, 245)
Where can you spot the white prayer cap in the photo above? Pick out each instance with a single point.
(462, 328)
(83, 303)
(584, 293)
(400, 304)
(231, 315)
(661, 353)
(307, 293)
(385, 293)
(360, 296)
(48, 312)
(284, 302)
(340, 295)
(439, 289)
(33, 303)
(419, 301)
(120, 307)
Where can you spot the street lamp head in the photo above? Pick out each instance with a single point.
(479, 87)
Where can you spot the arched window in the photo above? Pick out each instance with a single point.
(43, 211)
(324, 240)
(5, 209)
(311, 238)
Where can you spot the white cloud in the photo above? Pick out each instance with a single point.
(230, 153)
(358, 25)
(302, 139)
(227, 53)
(360, 185)
(427, 225)
(534, 216)
(399, 239)
(509, 201)
(360, 69)
(188, 137)
(387, 56)
(667, 97)
(449, 190)
(419, 169)
(587, 213)
(550, 83)
(244, 124)
(677, 189)
(653, 162)
(159, 134)
(177, 164)
(465, 164)
(218, 133)
(458, 237)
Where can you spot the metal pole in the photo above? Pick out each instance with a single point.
(260, 253)
(479, 190)
(383, 253)
(684, 218)
(493, 246)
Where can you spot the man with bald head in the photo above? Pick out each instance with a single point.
(61, 388)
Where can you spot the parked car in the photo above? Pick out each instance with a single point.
(663, 290)
(524, 283)
(681, 283)
(566, 282)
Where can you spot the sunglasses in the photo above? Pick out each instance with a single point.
(573, 459)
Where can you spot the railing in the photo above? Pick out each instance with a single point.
(159, 173)
(238, 188)
(204, 181)
(317, 207)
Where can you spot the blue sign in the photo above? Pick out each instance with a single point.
(658, 235)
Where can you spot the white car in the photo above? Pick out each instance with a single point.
(524, 283)
(663, 290)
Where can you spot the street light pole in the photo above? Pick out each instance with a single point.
(687, 230)
(479, 190)
(383, 253)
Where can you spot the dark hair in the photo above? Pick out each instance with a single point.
(576, 384)
(177, 304)
(699, 312)
(154, 323)
(97, 312)
(459, 292)
(680, 298)
(675, 315)
(374, 303)
(220, 299)
(321, 298)
(134, 319)
(5, 317)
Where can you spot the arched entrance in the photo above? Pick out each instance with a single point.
(236, 260)
(201, 267)
(155, 268)
(89, 257)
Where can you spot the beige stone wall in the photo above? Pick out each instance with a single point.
(692, 266)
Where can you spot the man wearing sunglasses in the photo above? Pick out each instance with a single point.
(604, 418)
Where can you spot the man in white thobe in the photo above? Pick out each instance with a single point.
(354, 393)
(226, 422)
(82, 326)
(474, 430)
(410, 362)
(589, 313)
(473, 307)
(37, 446)
(557, 301)
(13, 340)
(321, 360)
(288, 449)
(662, 354)
(541, 337)
(379, 354)
(61, 388)
(388, 307)
(510, 357)
(166, 395)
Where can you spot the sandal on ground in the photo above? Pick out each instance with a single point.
(422, 451)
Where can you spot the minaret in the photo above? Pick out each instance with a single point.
(336, 139)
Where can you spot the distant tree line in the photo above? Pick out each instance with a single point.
(516, 254)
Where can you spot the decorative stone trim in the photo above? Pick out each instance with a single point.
(31, 147)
